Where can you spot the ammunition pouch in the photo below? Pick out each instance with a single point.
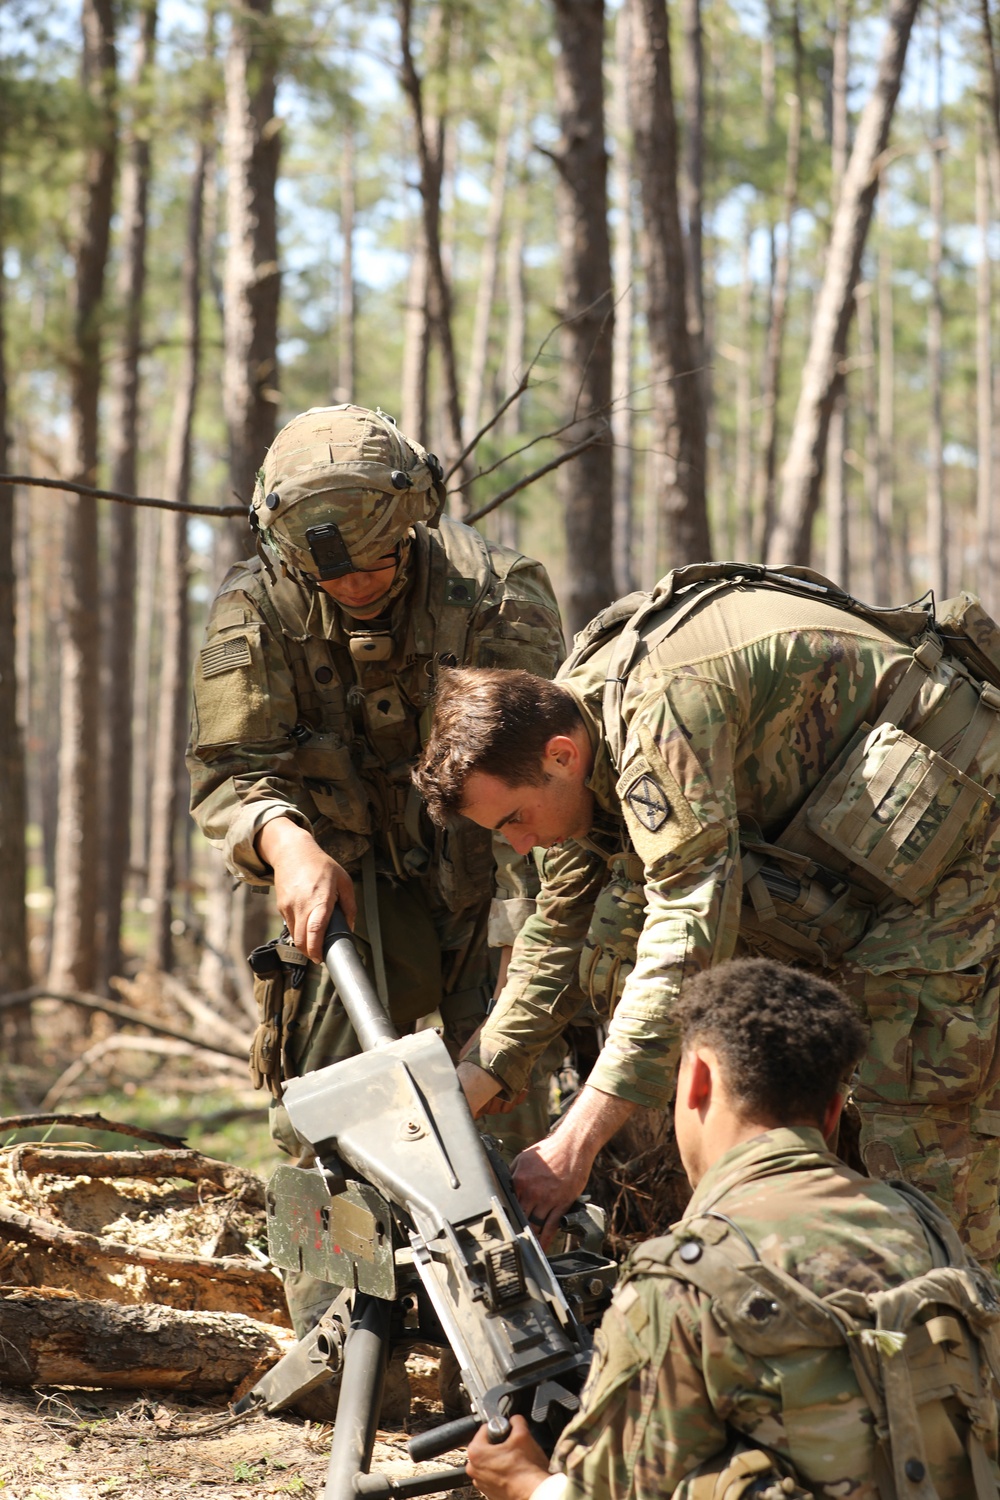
(742, 1473)
(794, 908)
(279, 973)
(608, 954)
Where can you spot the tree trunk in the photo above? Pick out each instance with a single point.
(438, 289)
(742, 477)
(937, 527)
(416, 344)
(252, 280)
(173, 588)
(489, 265)
(508, 531)
(584, 483)
(15, 1033)
(623, 353)
(869, 390)
(692, 175)
(838, 562)
(803, 470)
(74, 955)
(678, 406)
(48, 1339)
(985, 518)
(344, 389)
(764, 477)
(119, 596)
(147, 596)
(885, 541)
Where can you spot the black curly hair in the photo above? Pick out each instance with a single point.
(786, 1040)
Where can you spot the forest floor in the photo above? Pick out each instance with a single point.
(73, 1444)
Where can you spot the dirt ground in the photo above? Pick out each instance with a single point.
(88, 1445)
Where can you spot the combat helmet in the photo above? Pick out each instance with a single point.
(340, 488)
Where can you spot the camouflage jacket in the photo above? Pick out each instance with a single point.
(302, 712)
(669, 1386)
(731, 716)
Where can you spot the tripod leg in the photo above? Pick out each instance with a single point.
(366, 1355)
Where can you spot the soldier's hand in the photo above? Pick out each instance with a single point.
(511, 1470)
(308, 884)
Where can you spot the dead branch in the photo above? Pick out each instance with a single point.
(56, 1339)
(163, 1046)
(32, 481)
(110, 1008)
(80, 1161)
(201, 1013)
(89, 1122)
(522, 484)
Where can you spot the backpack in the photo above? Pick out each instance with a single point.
(925, 1354)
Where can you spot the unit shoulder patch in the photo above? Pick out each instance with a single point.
(648, 803)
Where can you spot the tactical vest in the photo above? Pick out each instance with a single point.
(925, 1354)
(887, 818)
(363, 696)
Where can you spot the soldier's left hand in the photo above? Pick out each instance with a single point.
(511, 1470)
(548, 1177)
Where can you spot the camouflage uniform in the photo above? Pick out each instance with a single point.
(671, 1387)
(305, 712)
(736, 720)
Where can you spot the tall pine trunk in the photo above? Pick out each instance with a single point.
(838, 559)
(985, 509)
(119, 596)
(74, 958)
(623, 354)
(803, 469)
(678, 405)
(344, 385)
(15, 974)
(173, 587)
(692, 171)
(489, 266)
(937, 526)
(886, 542)
(509, 427)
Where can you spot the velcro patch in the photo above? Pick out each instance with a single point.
(648, 803)
(225, 656)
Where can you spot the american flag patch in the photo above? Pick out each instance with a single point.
(225, 656)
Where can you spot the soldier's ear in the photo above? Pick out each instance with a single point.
(561, 752)
(831, 1116)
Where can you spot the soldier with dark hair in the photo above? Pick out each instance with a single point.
(802, 1331)
(312, 700)
(748, 761)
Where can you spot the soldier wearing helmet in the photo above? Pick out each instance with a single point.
(311, 705)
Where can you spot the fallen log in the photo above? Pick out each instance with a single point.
(52, 1338)
(257, 1288)
(151, 1166)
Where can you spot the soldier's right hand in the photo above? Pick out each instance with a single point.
(308, 884)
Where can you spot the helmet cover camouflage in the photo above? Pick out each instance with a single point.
(348, 467)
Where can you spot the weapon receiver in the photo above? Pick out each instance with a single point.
(409, 1211)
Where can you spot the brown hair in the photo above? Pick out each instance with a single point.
(786, 1040)
(491, 720)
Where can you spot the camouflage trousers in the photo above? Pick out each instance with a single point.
(433, 962)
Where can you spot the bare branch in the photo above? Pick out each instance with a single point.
(522, 484)
(109, 1008)
(30, 481)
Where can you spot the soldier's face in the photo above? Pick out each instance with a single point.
(560, 807)
(362, 592)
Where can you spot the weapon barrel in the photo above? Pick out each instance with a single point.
(354, 987)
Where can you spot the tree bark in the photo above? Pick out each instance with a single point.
(985, 517)
(803, 470)
(869, 392)
(742, 469)
(172, 698)
(937, 527)
(16, 1032)
(147, 611)
(838, 562)
(252, 281)
(119, 596)
(74, 955)
(489, 265)
(510, 423)
(344, 389)
(416, 344)
(762, 507)
(885, 541)
(584, 483)
(438, 288)
(678, 405)
(692, 174)
(52, 1339)
(623, 352)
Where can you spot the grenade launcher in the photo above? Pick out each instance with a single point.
(413, 1215)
